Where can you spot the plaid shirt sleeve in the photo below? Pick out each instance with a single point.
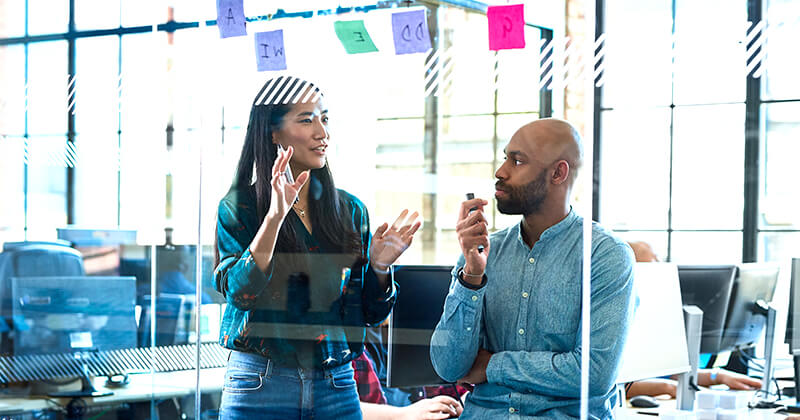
(369, 387)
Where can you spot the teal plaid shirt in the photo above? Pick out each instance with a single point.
(310, 308)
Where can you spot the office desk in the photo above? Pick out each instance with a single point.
(628, 412)
(142, 387)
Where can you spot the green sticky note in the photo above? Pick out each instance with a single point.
(354, 36)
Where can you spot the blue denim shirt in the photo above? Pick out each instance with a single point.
(528, 314)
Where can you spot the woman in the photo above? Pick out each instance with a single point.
(297, 265)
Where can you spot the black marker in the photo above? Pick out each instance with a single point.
(471, 196)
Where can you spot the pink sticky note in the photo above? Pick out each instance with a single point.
(506, 27)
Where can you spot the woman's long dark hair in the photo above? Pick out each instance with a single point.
(327, 209)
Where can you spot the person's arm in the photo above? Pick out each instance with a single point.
(245, 266)
(652, 387)
(558, 374)
(385, 246)
(457, 336)
(733, 380)
(439, 407)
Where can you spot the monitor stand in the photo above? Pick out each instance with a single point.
(87, 388)
(764, 400)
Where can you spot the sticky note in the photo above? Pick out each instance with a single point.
(506, 27)
(410, 31)
(354, 36)
(230, 18)
(270, 51)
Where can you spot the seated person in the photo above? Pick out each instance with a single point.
(373, 402)
(511, 321)
(643, 252)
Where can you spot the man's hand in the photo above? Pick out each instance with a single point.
(472, 231)
(436, 408)
(477, 373)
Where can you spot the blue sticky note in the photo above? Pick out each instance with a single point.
(410, 32)
(230, 18)
(270, 52)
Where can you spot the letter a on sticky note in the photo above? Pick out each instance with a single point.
(230, 18)
(270, 53)
(506, 27)
(354, 36)
(410, 31)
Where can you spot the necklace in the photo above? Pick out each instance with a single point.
(302, 212)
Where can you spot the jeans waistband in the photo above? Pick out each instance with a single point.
(268, 367)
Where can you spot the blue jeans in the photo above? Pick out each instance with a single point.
(256, 388)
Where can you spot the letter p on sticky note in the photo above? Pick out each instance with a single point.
(506, 27)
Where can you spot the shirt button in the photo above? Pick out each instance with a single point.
(511, 410)
(525, 294)
(469, 328)
(531, 260)
(474, 298)
(521, 331)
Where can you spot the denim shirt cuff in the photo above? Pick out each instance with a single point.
(494, 370)
(470, 297)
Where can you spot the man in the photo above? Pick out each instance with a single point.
(511, 322)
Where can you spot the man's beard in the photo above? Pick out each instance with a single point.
(526, 199)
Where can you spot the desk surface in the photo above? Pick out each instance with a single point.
(142, 387)
(628, 412)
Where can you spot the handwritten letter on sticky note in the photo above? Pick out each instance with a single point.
(354, 36)
(506, 27)
(230, 18)
(410, 31)
(270, 54)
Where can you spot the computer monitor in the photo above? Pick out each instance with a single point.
(709, 288)
(754, 286)
(72, 314)
(421, 292)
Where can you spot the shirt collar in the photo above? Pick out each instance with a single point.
(554, 230)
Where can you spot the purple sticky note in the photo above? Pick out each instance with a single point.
(410, 32)
(230, 18)
(506, 27)
(270, 54)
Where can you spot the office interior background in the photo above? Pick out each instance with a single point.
(121, 123)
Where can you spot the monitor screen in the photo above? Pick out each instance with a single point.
(709, 288)
(793, 318)
(68, 314)
(744, 322)
(420, 299)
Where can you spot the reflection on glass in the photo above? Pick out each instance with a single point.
(779, 200)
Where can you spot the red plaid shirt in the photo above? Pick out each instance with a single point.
(369, 387)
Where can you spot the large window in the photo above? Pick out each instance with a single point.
(675, 165)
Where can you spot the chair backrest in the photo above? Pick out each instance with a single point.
(35, 259)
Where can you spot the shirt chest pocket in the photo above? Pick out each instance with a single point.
(558, 309)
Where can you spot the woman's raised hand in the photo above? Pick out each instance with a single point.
(388, 243)
(284, 193)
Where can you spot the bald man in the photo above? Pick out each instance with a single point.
(511, 322)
